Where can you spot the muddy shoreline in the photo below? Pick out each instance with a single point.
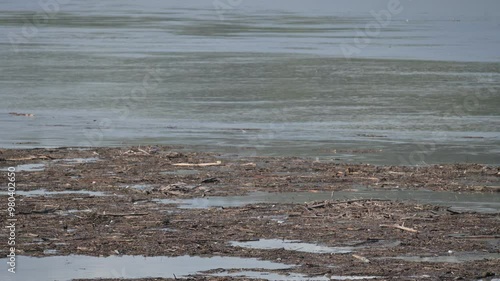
(107, 202)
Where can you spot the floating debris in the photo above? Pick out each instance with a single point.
(22, 114)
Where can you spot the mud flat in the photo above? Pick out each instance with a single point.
(161, 213)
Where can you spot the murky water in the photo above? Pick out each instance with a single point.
(289, 277)
(38, 167)
(77, 160)
(142, 187)
(65, 268)
(43, 192)
(452, 258)
(181, 172)
(292, 245)
(27, 168)
(476, 202)
(257, 78)
(296, 245)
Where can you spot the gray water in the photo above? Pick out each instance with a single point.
(65, 268)
(27, 168)
(43, 192)
(292, 245)
(256, 77)
(451, 258)
(460, 202)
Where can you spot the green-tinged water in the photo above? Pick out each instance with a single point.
(257, 79)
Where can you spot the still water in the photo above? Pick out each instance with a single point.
(337, 80)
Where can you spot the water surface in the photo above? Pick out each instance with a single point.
(65, 268)
(461, 202)
(258, 78)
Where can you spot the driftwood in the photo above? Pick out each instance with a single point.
(198, 165)
(361, 258)
(124, 214)
(399, 227)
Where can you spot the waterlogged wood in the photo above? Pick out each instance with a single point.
(361, 258)
(198, 164)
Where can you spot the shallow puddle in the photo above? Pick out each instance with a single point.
(452, 258)
(292, 245)
(28, 168)
(477, 202)
(180, 172)
(86, 267)
(78, 160)
(72, 212)
(296, 245)
(43, 192)
(277, 218)
(289, 277)
(50, 252)
(141, 187)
